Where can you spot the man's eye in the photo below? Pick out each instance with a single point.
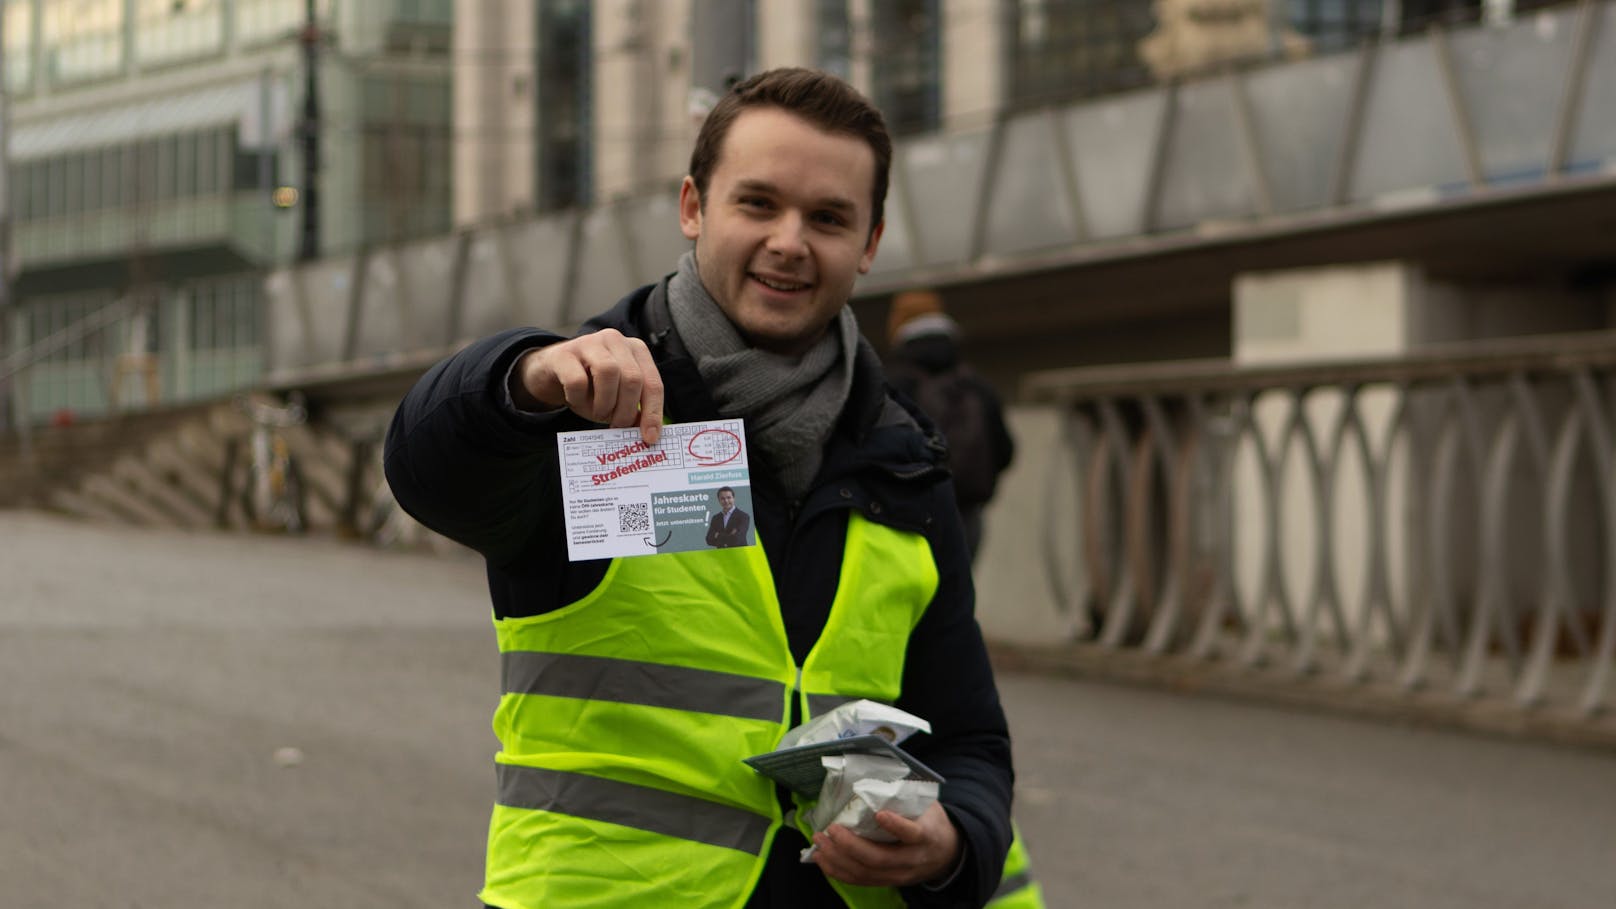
(829, 219)
(754, 202)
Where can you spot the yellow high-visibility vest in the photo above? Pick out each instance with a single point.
(624, 716)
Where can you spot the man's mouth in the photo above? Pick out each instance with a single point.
(780, 284)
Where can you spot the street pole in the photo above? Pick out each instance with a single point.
(309, 247)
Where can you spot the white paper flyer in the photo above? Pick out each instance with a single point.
(690, 491)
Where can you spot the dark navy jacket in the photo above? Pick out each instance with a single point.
(462, 460)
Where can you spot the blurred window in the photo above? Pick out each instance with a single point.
(207, 157)
(83, 39)
(404, 155)
(185, 165)
(565, 105)
(90, 181)
(833, 38)
(224, 313)
(56, 200)
(167, 166)
(905, 64)
(72, 183)
(1336, 24)
(168, 30)
(112, 176)
(39, 189)
(22, 189)
(148, 161)
(1062, 50)
(19, 41)
(258, 21)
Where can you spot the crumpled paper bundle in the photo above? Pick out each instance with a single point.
(857, 786)
(856, 718)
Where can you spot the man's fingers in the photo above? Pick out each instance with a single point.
(606, 378)
(650, 392)
(925, 849)
(854, 851)
(905, 830)
(573, 378)
(626, 402)
(850, 858)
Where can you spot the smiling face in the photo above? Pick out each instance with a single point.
(784, 229)
(726, 500)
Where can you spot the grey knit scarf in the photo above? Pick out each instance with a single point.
(789, 404)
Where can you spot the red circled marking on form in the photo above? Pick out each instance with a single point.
(705, 461)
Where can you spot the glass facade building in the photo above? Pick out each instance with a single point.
(156, 158)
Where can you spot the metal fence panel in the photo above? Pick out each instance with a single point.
(1207, 176)
(1111, 141)
(486, 305)
(944, 174)
(539, 252)
(427, 273)
(309, 321)
(1594, 144)
(1299, 115)
(1408, 139)
(1028, 208)
(1511, 80)
(603, 277)
(653, 222)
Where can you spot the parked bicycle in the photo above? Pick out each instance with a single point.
(273, 494)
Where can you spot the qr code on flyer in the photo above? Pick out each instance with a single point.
(634, 518)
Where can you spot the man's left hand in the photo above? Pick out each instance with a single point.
(927, 849)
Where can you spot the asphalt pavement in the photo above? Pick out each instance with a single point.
(194, 720)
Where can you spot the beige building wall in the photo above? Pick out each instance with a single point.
(785, 33)
(643, 129)
(493, 110)
(973, 65)
(644, 123)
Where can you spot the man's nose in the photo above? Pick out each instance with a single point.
(786, 236)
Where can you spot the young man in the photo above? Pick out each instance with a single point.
(632, 688)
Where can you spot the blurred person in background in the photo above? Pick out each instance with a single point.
(924, 363)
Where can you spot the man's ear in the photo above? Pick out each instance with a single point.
(689, 209)
(868, 259)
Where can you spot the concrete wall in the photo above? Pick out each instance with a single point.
(973, 62)
(643, 128)
(785, 33)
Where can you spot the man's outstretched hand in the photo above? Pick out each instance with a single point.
(927, 849)
(603, 377)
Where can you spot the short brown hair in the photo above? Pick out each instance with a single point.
(820, 98)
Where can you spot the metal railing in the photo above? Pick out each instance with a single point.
(123, 308)
(1443, 522)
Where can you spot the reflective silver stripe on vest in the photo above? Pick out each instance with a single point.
(1011, 884)
(647, 684)
(821, 704)
(628, 805)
